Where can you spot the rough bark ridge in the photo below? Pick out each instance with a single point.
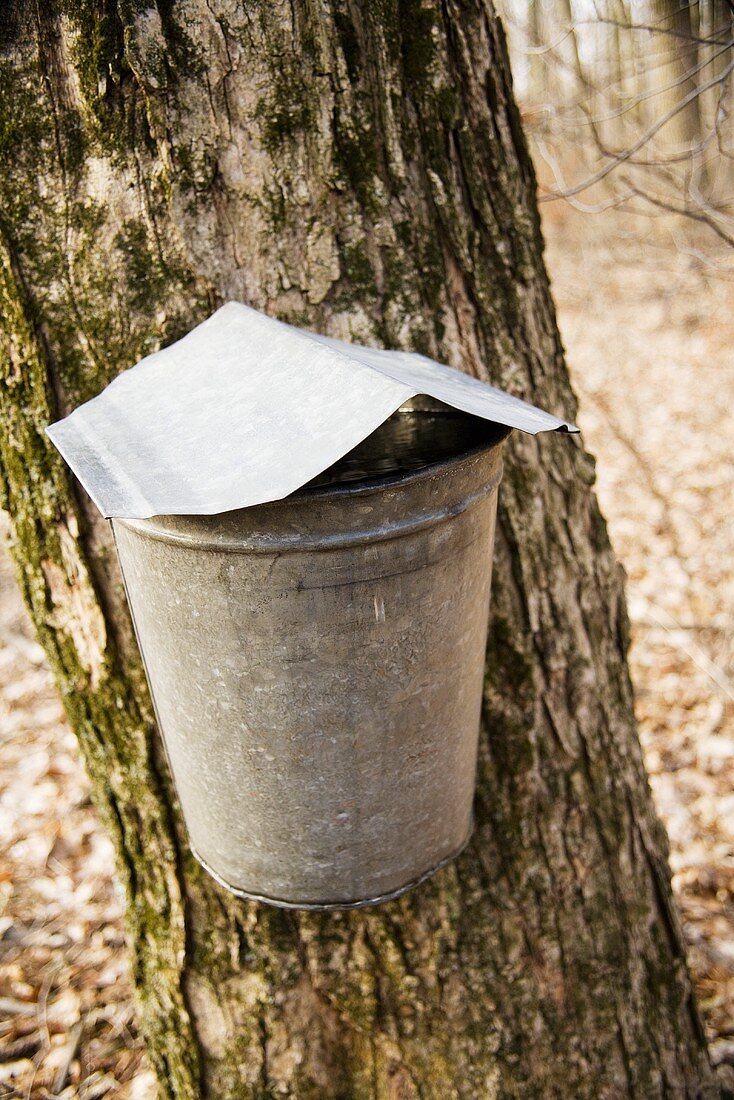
(359, 168)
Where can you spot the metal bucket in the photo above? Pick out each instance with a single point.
(316, 665)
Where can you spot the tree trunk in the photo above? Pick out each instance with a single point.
(537, 91)
(673, 75)
(360, 169)
(621, 79)
(715, 22)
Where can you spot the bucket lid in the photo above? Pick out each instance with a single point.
(246, 409)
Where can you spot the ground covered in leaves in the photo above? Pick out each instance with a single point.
(648, 322)
(647, 317)
(66, 1014)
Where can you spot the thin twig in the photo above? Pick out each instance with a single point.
(75, 1039)
(621, 158)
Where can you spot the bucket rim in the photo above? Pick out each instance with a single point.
(169, 529)
(377, 482)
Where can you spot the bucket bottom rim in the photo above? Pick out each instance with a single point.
(333, 906)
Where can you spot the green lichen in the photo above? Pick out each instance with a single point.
(349, 41)
(417, 23)
(355, 158)
(285, 112)
(103, 704)
(100, 52)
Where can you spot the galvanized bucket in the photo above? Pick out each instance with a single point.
(316, 666)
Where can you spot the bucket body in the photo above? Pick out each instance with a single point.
(316, 666)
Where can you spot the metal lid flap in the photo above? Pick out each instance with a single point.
(246, 409)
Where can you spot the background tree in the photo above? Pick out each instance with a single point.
(673, 75)
(635, 104)
(360, 169)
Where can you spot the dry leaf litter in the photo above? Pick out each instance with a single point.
(649, 333)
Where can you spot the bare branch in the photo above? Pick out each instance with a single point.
(655, 29)
(625, 155)
(705, 215)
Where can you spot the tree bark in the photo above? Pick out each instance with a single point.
(360, 169)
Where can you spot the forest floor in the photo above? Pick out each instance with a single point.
(649, 330)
